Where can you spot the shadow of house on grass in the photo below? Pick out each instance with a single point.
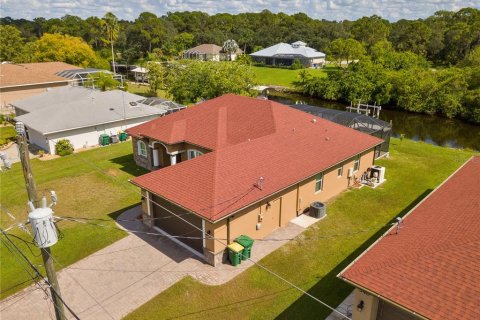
(331, 289)
(128, 165)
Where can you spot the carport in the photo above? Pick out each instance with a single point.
(175, 226)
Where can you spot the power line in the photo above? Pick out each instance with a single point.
(330, 236)
(38, 273)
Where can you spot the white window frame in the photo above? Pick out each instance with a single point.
(193, 153)
(356, 163)
(340, 171)
(142, 148)
(319, 182)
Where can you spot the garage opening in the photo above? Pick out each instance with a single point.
(175, 226)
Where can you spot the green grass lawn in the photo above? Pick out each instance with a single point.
(88, 184)
(283, 77)
(311, 262)
(143, 90)
(7, 134)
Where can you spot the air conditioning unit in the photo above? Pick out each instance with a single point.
(378, 173)
(318, 209)
(350, 173)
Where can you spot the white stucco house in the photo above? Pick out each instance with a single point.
(81, 115)
(284, 54)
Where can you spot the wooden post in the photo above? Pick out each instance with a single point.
(46, 254)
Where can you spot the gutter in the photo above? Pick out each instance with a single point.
(89, 125)
(35, 84)
(340, 275)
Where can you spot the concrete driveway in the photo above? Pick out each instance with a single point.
(116, 280)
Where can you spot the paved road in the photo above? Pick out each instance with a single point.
(116, 280)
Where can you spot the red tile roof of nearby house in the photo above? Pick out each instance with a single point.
(253, 138)
(432, 267)
(32, 73)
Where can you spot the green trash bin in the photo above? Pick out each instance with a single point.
(104, 139)
(234, 253)
(247, 243)
(123, 136)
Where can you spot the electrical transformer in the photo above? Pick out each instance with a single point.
(43, 227)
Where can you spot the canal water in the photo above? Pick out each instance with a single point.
(419, 127)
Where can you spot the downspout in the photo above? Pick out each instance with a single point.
(228, 230)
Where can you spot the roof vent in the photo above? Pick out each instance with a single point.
(132, 103)
(314, 120)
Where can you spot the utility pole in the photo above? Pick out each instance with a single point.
(33, 197)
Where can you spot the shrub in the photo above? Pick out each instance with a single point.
(296, 65)
(63, 147)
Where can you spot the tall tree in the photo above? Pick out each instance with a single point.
(57, 47)
(370, 30)
(111, 30)
(230, 46)
(12, 43)
(345, 50)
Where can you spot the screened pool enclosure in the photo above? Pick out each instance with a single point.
(360, 122)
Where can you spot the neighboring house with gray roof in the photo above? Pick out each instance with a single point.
(284, 54)
(82, 114)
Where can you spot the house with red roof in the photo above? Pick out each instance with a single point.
(430, 267)
(235, 165)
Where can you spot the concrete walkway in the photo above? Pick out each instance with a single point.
(116, 280)
(12, 152)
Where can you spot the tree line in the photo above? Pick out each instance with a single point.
(427, 65)
(445, 38)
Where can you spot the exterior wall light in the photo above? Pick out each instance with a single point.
(360, 305)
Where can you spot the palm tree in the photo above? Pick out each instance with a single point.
(111, 29)
(230, 46)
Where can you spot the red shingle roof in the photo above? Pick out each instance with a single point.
(432, 267)
(32, 73)
(253, 138)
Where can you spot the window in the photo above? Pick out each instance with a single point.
(192, 154)
(356, 164)
(319, 182)
(340, 171)
(142, 148)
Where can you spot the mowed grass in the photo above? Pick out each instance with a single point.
(144, 90)
(91, 184)
(283, 77)
(312, 261)
(7, 134)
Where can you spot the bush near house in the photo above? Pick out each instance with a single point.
(63, 147)
(296, 65)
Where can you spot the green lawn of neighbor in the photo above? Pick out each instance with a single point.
(310, 261)
(7, 134)
(143, 90)
(89, 184)
(283, 77)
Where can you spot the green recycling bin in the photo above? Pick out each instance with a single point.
(235, 251)
(104, 139)
(123, 136)
(247, 243)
